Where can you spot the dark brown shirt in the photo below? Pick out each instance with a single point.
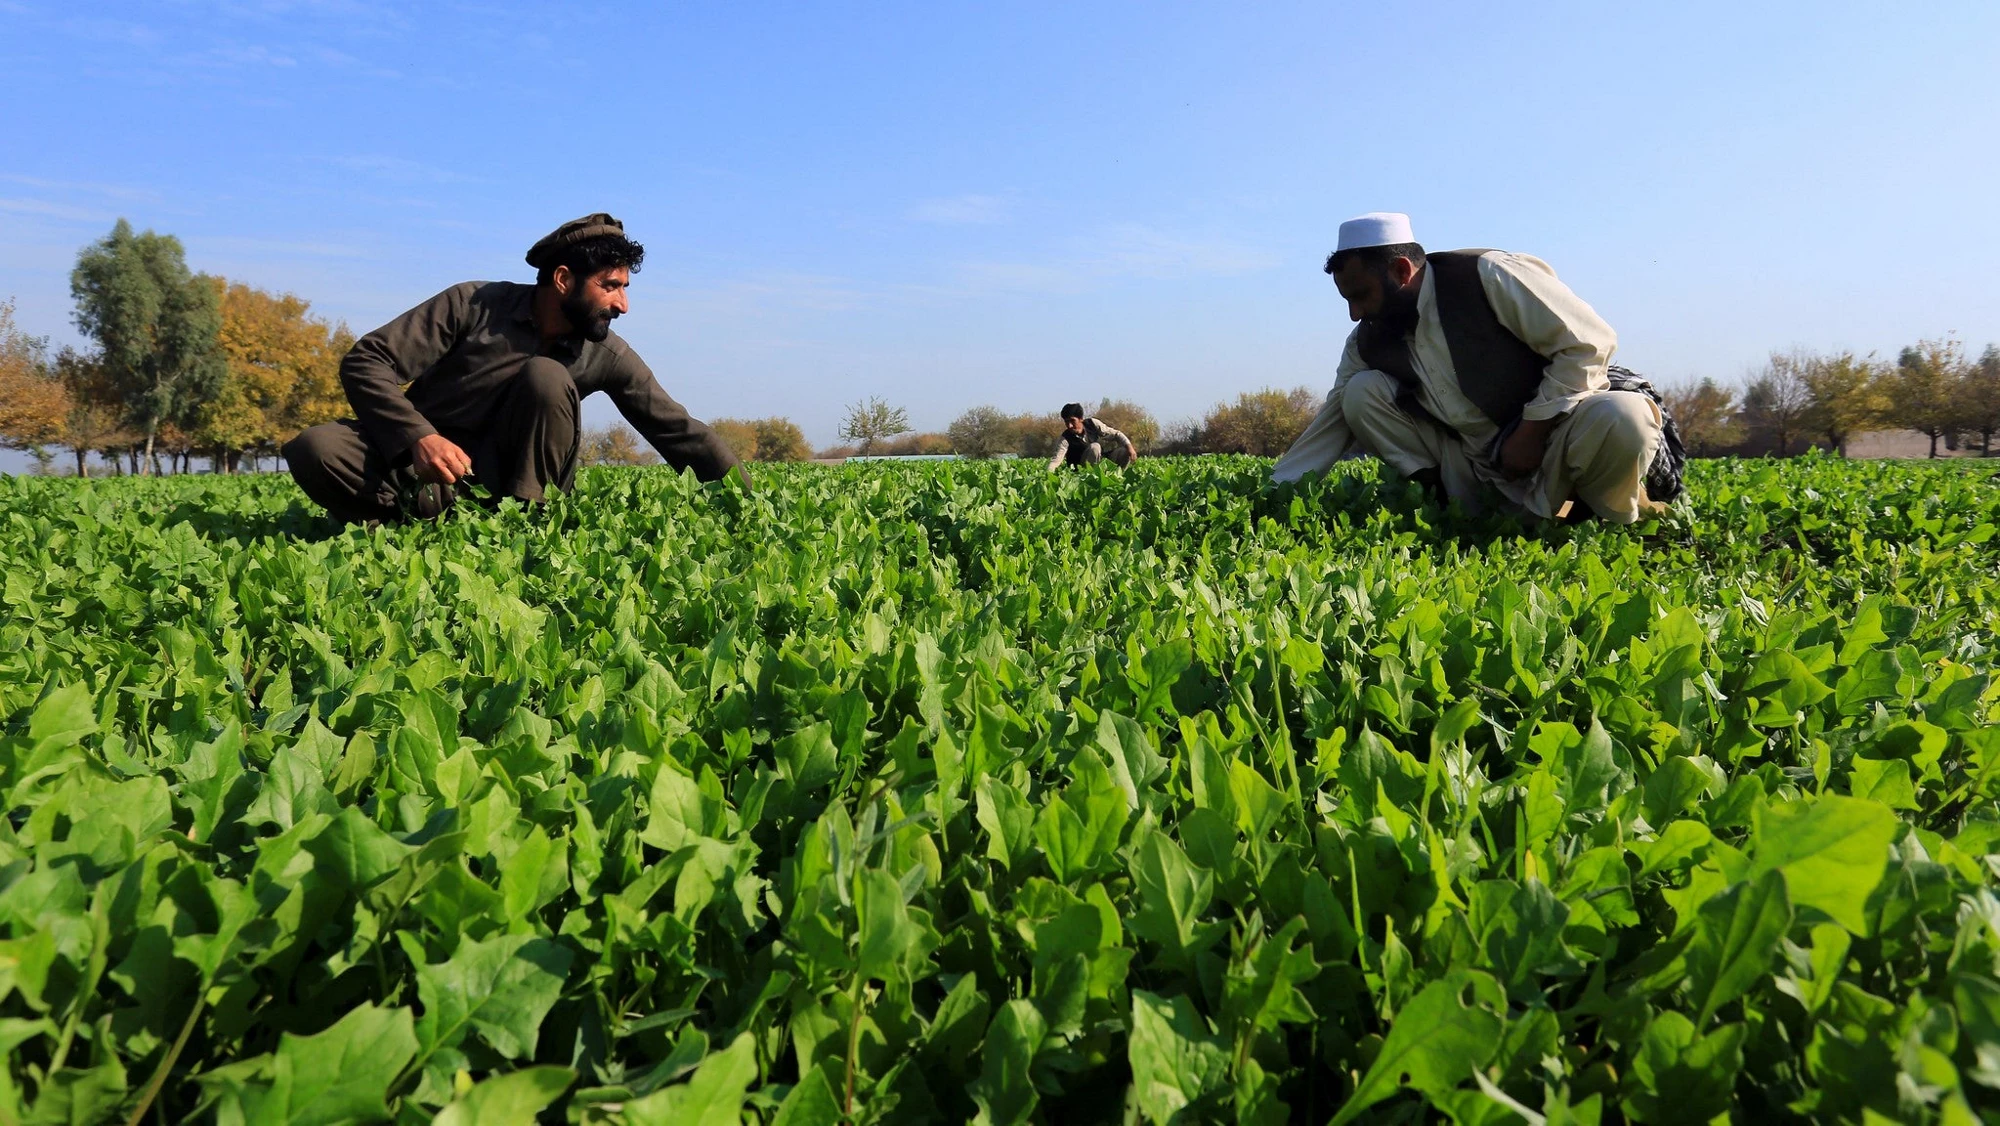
(459, 350)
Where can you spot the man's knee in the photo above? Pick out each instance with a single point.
(1626, 421)
(310, 454)
(547, 383)
(1368, 393)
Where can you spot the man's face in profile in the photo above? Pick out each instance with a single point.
(592, 303)
(1386, 293)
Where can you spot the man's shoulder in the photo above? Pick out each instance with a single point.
(497, 294)
(1511, 262)
(614, 353)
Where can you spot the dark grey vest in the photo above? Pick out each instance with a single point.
(1499, 373)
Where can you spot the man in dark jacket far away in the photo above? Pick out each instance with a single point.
(494, 374)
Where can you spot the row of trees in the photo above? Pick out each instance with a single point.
(179, 364)
(753, 439)
(1255, 422)
(1802, 398)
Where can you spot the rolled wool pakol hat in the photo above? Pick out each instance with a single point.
(571, 233)
(1377, 228)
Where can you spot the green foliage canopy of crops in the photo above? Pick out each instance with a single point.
(920, 794)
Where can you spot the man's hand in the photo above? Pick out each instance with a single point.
(1522, 452)
(438, 458)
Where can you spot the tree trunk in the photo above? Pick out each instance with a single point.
(1934, 437)
(82, 464)
(149, 462)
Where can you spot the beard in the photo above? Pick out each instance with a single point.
(593, 324)
(1399, 307)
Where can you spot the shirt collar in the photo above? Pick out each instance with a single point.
(524, 314)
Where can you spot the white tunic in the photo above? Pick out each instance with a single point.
(1534, 305)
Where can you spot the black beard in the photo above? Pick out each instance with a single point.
(585, 321)
(1399, 311)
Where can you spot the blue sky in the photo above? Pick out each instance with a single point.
(950, 204)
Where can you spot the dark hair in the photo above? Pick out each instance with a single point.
(587, 257)
(1375, 257)
(1072, 410)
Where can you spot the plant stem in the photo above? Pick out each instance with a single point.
(167, 1061)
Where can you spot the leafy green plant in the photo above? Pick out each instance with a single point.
(967, 791)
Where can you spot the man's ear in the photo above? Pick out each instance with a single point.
(564, 279)
(1402, 271)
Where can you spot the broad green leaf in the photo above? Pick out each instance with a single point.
(512, 1099)
(354, 852)
(1449, 1028)
(500, 988)
(1832, 850)
(1173, 895)
(1884, 780)
(1004, 1092)
(1008, 820)
(1736, 937)
(337, 1076)
(713, 1097)
(1176, 1062)
(1683, 1076)
(674, 810)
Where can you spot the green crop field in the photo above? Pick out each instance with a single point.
(915, 794)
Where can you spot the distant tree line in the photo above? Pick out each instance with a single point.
(1802, 399)
(180, 365)
(177, 365)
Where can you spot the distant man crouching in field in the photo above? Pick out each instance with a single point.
(1083, 441)
(495, 372)
(1471, 369)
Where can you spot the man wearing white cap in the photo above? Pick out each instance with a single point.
(1478, 368)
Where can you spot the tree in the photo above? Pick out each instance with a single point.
(739, 435)
(33, 404)
(1259, 422)
(155, 326)
(614, 445)
(1981, 398)
(1706, 416)
(1136, 421)
(1777, 399)
(912, 444)
(282, 373)
(1179, 438)
(1844, 396)
(1925, 388)
(780, 439)
(872, 422)
(96, 416)
(984, 432)
(1035, 434)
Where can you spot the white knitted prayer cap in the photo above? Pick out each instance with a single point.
(1377, 228)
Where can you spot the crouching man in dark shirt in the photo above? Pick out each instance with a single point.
(494, 374)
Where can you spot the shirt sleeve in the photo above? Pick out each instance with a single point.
(1056, 462)
(375, 370)
(1113, 432)
(1537, 307)
(1326, 439)
(684, 441)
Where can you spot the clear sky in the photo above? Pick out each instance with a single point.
(948, 204)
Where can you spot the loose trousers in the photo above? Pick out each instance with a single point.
(529, 445)
(1598, 454)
